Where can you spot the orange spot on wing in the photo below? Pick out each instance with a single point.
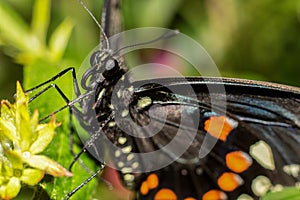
(214, 195)
(144, 189)
(229, 181)
(165, 194)
(152, 181)
(238, 161)
(219, 126)
(190, 198)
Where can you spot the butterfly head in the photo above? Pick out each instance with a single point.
(104, 70)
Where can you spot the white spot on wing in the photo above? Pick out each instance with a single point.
(124, 113)
(277, 188)
(223, 196)
(262, 153)
(244, 197)
(128, 177)
(130, 89)
(117, 153)
(261, 185)
(130, 157)
(293, 170)
(144, 102)
(119, 93)
(135, 165)
(199, 171)
(111, 124)
(184, 172)
(126, 170)
(122, 140)
(127, 149)
(239, 179)
(111, 106)
(120, 164)
(232, 122)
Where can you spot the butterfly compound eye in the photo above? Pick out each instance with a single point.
(111, 68)
(94, 58)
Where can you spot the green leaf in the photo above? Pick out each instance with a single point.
(7, 121)
(23, 119)
(288, 193)
(40, 19)
(45, 134)
(34, 120)
(13, 28)
(59, 39)
(32, 176)
(8, 129)
(48, 165)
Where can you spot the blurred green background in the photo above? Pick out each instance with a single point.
(247, 39)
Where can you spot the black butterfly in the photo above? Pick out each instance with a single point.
(174, 138)
(257, 138)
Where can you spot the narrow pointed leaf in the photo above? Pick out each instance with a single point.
(59, 39)
(7, 121)
(45, 134)
(40, 19)
(49, 166)
(34, 120)
(13, 29)
(8, 129)
(23, 119)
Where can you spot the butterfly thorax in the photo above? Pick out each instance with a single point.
(100, 80)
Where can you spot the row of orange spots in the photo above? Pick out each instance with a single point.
(238, 161)
(219, 126)
(214, 195)
(167, 194)
(229, 181)
(152, 182)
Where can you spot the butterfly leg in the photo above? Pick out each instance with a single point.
(60, 74)
(84, 182)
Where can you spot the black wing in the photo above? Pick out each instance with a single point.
(256, 135)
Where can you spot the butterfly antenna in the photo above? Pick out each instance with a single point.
(95, 20)
(166, 35)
